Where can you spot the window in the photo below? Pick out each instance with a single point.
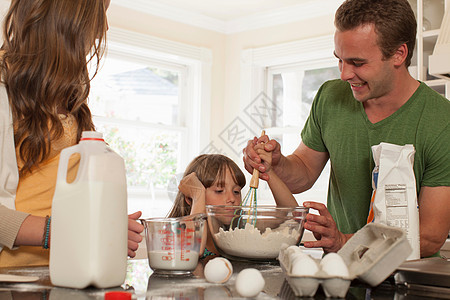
(294, 88)
(142, 103)
(290, 75)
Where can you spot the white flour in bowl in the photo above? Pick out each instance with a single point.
(250, 243)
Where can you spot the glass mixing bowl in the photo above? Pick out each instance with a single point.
(254, 233)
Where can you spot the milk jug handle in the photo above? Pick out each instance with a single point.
(64, 162)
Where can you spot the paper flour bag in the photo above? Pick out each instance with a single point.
(394, 199)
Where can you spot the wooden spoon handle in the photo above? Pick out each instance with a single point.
(254, 181)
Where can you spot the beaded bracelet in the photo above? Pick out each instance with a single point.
(46, 235)
(206, 253)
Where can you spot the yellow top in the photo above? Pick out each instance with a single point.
(35, 194)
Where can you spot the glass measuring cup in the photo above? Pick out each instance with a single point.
(174, 244)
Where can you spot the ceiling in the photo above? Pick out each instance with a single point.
(228, 10)
(230, 16)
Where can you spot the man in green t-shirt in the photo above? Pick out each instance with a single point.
(375, 101)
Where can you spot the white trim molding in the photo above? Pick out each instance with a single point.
(161, 48)
(303, 11)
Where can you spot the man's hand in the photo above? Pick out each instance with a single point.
(324, 229)
(253, 160)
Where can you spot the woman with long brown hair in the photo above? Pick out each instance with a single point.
(47, 48)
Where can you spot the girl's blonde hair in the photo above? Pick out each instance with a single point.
(47, 45)
(210, 169)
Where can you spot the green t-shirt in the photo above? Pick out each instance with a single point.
(338, 124)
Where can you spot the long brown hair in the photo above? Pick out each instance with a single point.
(394, 22)
(44, 67)
(210, 169)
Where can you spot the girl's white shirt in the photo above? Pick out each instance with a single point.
(9, 173)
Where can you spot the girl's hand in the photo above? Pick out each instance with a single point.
(191, 187)
(194, 193)
(266, 157)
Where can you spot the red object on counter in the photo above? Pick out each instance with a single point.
(117, 296)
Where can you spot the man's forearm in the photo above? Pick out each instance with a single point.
(429, 247)
(293, 172)
(433, 218)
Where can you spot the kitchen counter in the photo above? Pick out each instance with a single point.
(143, 284)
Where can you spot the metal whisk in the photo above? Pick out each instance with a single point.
(249, 202)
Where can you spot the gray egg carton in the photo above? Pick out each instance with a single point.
(371, 255)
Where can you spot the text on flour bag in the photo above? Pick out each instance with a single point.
(89, 228)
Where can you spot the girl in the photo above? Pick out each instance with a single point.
(210, 179)
(214, 179)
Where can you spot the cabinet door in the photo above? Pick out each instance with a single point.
(429, 14)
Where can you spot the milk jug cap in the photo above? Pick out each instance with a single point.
(117, 296)
(91, 136)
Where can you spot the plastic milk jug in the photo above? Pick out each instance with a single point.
(89, 226)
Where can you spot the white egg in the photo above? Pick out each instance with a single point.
(294, 255)
(293, 249)
(304, 265)
(249, 283)
(334, 265)
(218, 270)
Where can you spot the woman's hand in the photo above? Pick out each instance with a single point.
(134, 233)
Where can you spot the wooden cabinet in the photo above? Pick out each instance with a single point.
(429, 15)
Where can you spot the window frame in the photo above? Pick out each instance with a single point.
(195, 62)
